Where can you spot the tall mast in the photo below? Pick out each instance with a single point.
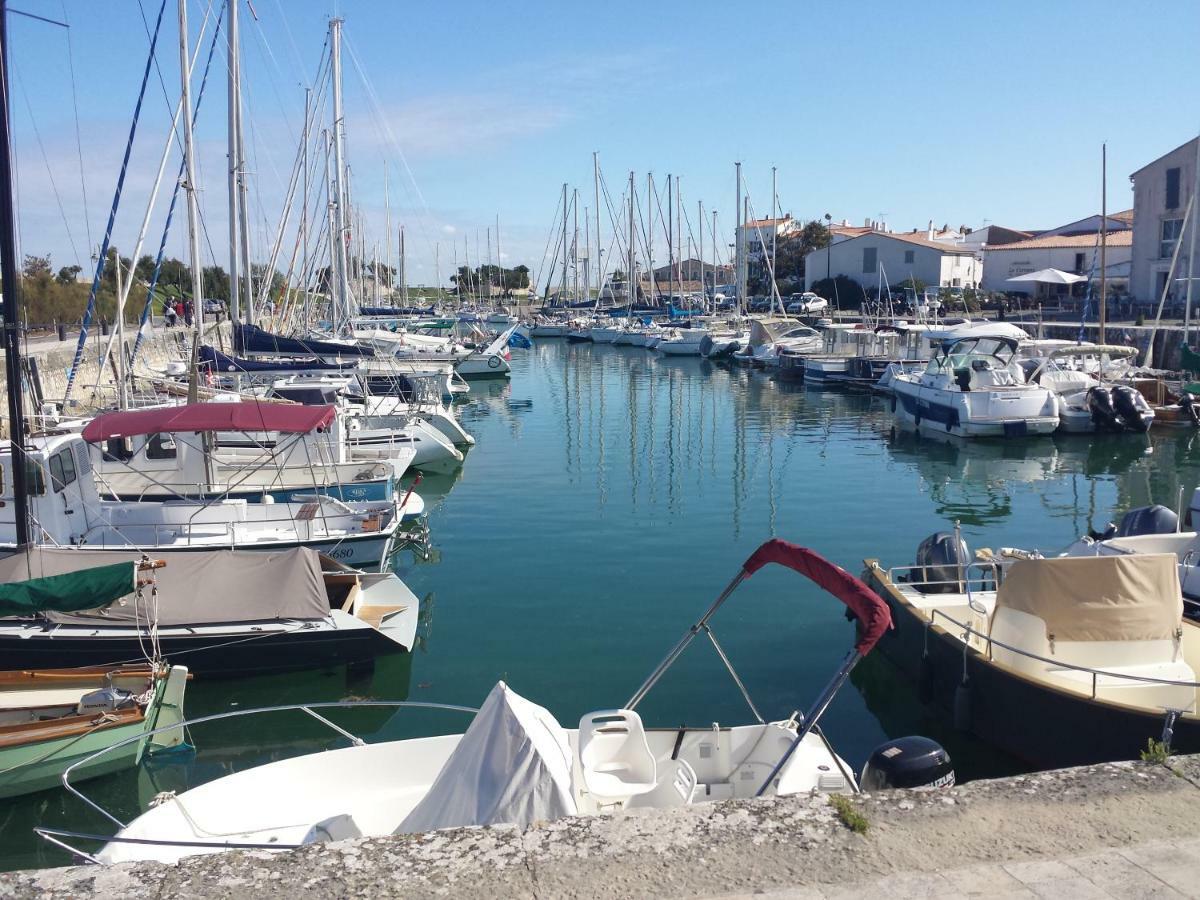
(1187, 313)
(679, 235)
(12, 299)
(562, 285)
(575, 245)
(670, 237)
(650, 237)
(774, 232)
(243, 204)
(404, 271)
(599, 246)
(189, 156)
(700, 247)
(1103, 239)
(342, 300)
(631, 284)
(738, 234)
(231, 33)
(304, 204)
(387, 228)
(714, 255)
(499, 258)
(587, 255)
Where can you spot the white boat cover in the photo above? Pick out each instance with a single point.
(195, 587)
(978, 329)
(513, 766)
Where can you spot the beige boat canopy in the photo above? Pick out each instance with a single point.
(1134, 597)
(194, 587)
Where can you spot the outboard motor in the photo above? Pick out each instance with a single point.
(1131, 407)
(1191, 408)
(104, 700)
(962, 377)
(1143, 520)
(1100, 404)
(706, 345)
(907, 762)
(940, 563)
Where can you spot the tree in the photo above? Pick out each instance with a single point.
(144, 270)
(36, 266)
(216, 283)
(845, 292)
(67, 274)
(791, 249)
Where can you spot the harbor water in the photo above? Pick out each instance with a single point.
(612, 494)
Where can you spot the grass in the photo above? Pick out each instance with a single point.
(851, 817)
(1156, 751)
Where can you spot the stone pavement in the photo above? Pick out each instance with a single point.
(1116, 830)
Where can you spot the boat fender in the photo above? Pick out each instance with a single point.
(493, 362)
(925, 680)
(893, 402)
(907, 762)
(962, 705)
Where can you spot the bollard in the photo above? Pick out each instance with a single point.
(62, 331)
(104, 326)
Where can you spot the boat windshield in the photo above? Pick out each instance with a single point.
(960, 354)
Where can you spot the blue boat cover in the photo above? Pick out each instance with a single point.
(252, 339)
(220, 362)
(395, 311)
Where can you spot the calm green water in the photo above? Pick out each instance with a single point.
(612, 494)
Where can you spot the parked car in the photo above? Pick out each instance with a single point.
(214, 306)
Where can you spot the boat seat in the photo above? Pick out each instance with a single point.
(614, 756)
(341, 827)
(676, 787)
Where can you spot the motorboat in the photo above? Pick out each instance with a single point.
(972, 387)
(1058, 661)
(515, 764)
(51, 719)
(718, 344)
(65, 503)
(682, 341)
(223, 612)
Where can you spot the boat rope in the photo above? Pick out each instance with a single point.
(87, 218)
(148, 308)
(90, 311)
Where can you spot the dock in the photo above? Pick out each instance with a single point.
(1113, 830)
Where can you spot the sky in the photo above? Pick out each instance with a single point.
(476, 111)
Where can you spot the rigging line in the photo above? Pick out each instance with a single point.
(373, 98)
(29, 15)
(148, 308)
(49, 170)
(266, 46)
(90, 311)
(292, 41)
(87, 218)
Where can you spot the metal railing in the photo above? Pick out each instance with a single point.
(54, 835)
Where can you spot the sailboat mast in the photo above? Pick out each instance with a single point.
(650, 237)
(342, 301)
(670, 238)
(774, 231)
(575, 245)
(304, 204)
(679, 235)
(404, 271)
(242, 190)
(12, 303)
(185, 77)
(387, 229)
(631, 284)
(1187, 312)
(1103, 239)
(738, 233)
(235, 305)
(599, 245)
(562, 285)
(714, 256)
(700, 247)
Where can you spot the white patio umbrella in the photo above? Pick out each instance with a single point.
(1050, 276)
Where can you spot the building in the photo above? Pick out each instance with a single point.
(1161, 193)
(1120, 221)
(691, 269)
(900, 256)
(990, 236)
(1078, 254)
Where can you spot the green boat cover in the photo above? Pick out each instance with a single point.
(1189, 359)
(86, 589)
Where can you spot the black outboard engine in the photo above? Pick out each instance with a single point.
(1100, 404)
(907, 762)
(1143, 520)
(706, 345)
(940, 563)
(1191, 407)
(1132, 409)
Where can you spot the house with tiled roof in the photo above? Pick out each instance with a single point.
(1078, 254)
(1161, 192)
(898, 256)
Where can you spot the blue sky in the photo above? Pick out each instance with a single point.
(907, 112)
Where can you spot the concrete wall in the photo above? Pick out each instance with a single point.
(1149, 265)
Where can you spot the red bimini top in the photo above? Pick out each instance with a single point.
(289, 418)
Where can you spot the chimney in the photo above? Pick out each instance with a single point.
(867, 223)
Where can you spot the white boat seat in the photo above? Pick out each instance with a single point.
(676, 787)
(614, 756)
(341, 827)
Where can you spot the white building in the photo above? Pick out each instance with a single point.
(1161, 191)
(758, 235)
(1078, 254)
(902, 256)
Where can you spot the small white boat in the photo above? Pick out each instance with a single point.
(516, 765)
(681, 341)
